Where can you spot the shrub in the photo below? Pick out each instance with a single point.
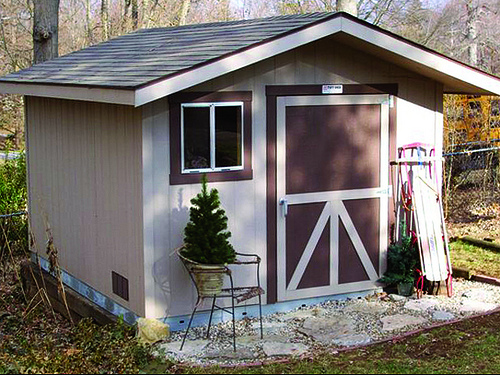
(402, 260)
(13, 198)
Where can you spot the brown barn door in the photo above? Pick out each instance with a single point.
(332, 190)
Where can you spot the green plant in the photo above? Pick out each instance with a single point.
(13, 197)
(402, 260)
(206, 235)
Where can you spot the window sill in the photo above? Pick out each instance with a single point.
(193, 178)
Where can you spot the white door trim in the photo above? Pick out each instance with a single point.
(334, 208)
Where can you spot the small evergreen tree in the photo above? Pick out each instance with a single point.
(206, 235)
(402, 261)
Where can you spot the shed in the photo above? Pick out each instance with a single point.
(302, 109)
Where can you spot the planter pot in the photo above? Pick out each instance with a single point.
(209, 283)
(405, 289)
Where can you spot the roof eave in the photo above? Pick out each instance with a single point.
(455, 76)
(88, 93)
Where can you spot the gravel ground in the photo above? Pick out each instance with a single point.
(362, 321)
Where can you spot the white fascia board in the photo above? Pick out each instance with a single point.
(433, 61)
(102, 95)
(237, 61)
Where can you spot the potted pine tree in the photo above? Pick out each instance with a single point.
(402, 260)
(206, 241)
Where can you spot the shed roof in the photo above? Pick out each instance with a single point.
(144, 56)
(146, 65)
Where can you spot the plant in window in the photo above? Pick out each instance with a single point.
(206, 238)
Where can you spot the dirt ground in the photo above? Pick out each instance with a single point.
(474, 212)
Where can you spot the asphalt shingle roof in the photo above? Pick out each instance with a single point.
(136, 59)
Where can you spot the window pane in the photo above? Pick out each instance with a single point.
(228, 136)
(196, 137)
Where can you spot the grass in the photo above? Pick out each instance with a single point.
(477, 259)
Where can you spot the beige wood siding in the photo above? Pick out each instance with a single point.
(324, 62)
(85, 182)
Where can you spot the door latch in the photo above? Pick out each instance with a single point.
(284, 206)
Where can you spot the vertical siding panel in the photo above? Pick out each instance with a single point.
(48, 166)
(244, 79)
(108, 148)
(284, 68)
(136, 206)
(90, 221)
(224, 82)
(264, 75)
(74, 142)
(160, 260)
(121, 119)
(380, 71)
(79, 140)
(328, 62)
(342, 71)
(99, 183)
(59, 204)
(324, 62)
(84, 178)
(62, 193)
(305, 64)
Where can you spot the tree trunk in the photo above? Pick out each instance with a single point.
(45, 30)
(472, 32)
(88, 25)
(135, 14)
(186, 4)
(348, 6)
(145, 14)
(105, 19)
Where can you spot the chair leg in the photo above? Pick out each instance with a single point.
(211, 314)
(260, 316)
(189, 325)
(234, 326)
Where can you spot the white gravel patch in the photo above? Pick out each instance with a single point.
(291, 333)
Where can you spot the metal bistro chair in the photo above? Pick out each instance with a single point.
(237, 294)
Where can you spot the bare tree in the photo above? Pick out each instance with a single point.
(184, 11)
(105, 19)
(45, 30)
(135, 14)
(348, 6)
(88, 23)
(471, 33)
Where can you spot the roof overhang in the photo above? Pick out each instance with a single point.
(455, 76)
(90, 94)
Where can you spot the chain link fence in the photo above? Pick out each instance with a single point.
(471, 187)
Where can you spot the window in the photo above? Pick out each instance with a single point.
(212, 137)
(210, 133)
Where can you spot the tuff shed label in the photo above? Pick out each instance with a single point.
(332, 89)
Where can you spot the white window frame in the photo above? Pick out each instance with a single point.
(212, 106)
